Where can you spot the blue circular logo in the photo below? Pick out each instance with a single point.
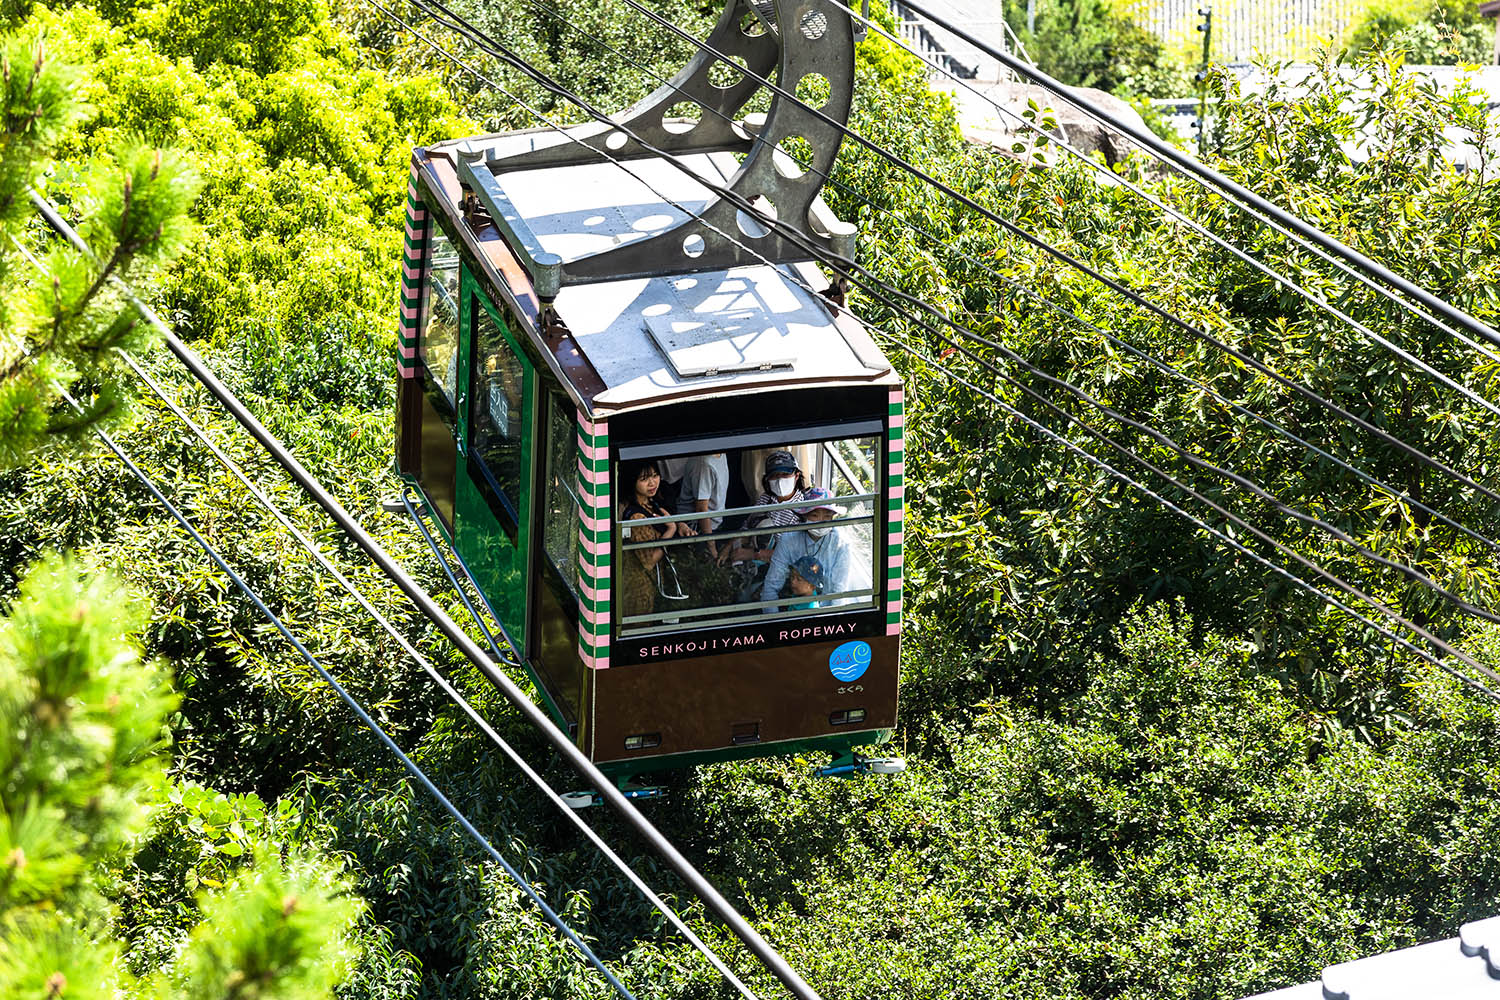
(850, 661)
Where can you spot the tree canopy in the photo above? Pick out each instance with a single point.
(1140, 766)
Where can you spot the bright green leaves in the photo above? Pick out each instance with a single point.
(264, 36)
(278, 931)
(36, 107)
(84, 715)
(62, 322)
(82, 719)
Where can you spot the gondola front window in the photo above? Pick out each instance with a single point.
(744, 536)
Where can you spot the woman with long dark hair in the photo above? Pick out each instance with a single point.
(645, 573)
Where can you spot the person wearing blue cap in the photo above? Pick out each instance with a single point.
(824, 542)
(806, 580)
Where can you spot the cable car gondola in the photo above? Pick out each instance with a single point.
(582, 304)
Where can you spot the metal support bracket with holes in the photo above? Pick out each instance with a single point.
(807, 48)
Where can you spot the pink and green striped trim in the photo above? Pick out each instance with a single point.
(413, 255)
(593, 542)
(895, 500)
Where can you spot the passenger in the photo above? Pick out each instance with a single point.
(822, 541)
(645, 573)
(781, 483)
(806, 580)
(753, 463)
(705, 485)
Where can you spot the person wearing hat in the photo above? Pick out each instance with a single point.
(824, 542)
(781, 483)
(806, 580)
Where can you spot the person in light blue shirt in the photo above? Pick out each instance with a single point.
(822, 542)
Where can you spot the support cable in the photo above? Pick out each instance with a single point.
(1223, 536)
(1207, 176)
(364, 716)
(1296, 556)
(436, 676)
(1018, 289)
(498, 50)
(794, 235)
(696, 883)
(1306, 244)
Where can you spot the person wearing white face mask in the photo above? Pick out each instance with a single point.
(822, 541)
(782, 482)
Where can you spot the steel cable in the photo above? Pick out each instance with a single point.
(773, 962)
(364, 716)
(1249, 200)
(502, 52)
(436, 676)
(1232, 542)
(1018, 289)
(1093, 164)
(915, 171)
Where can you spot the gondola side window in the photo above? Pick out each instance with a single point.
(439, 343)
(561, 515)
(497, 414)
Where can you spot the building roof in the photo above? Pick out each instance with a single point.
(1463, 968)
(684, 333)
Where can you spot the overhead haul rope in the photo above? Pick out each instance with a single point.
(1017, 288)
(469, 30)
(1341, 584)
(422, 661)
(1268, 212)
(914, 170)
(1176, 213)
(769, 958)
(442, 682)
(1232, 542)
(1087, 161)
(497, 50)
(358, 709)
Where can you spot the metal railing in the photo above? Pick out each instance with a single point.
(961, 60)
(1277, 29)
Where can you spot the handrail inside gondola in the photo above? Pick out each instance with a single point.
(670, 617)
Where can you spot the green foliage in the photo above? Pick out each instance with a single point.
(262, 37)
(1177, 831)
(1088, 43)
(277, 932)
(83, 717)
(61, 328)
(1440, 33)
(1110, 791)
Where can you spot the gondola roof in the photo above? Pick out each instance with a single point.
(643, 340)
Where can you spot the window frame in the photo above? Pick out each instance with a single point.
(870, 598)
(510, 511)
(432, 385)
(565, 473)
